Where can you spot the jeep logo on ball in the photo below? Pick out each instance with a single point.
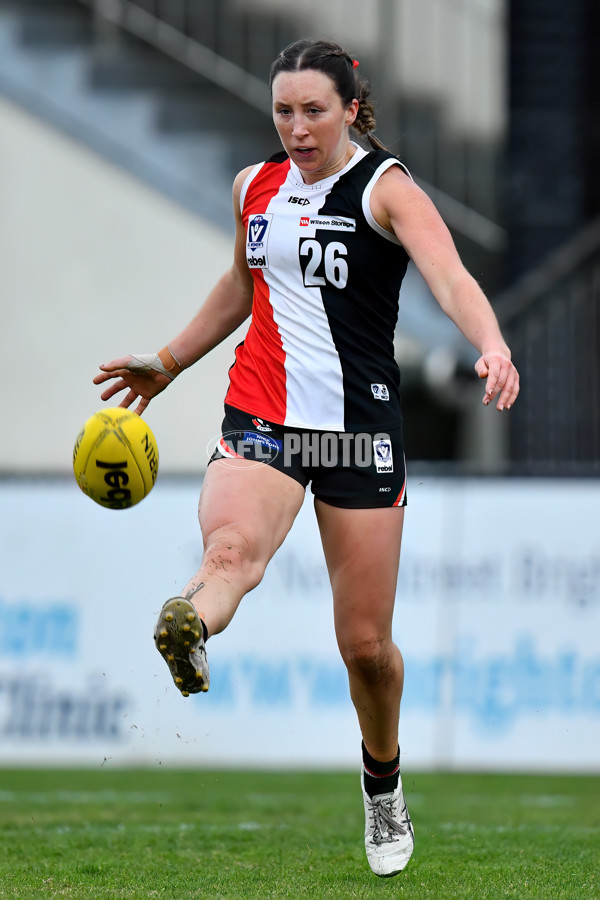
(119, 496)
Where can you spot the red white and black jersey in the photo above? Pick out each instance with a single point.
(319, 351)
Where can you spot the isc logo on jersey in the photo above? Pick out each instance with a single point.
(257, 240)
(384, 459)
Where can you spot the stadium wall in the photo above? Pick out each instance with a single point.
(498, 613)
(449, 54)
(95, 264)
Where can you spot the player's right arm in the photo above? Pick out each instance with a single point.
(227, 306)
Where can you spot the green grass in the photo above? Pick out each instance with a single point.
(184, 834)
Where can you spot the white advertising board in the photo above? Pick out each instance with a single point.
(498, 617)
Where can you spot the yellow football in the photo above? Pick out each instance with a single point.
(115, 458)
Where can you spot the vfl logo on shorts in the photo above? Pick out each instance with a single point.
(257, 238)
(384, 458)
(380, 391)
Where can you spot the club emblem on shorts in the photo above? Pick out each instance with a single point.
(380, 391)
(259, 226)
(384, 458)
(261, 425)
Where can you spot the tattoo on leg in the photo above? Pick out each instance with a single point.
(192, 591)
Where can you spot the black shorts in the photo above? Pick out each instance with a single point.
(362, 470)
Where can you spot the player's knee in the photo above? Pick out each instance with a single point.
(371, 659)
(232, 555)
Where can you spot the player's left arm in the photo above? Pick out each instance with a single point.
(401, 207)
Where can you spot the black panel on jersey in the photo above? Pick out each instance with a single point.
(363, 315)
(279, 157)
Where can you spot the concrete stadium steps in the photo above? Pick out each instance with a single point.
(123, 126)
(130, 65)
(52, 24)
(131, 103)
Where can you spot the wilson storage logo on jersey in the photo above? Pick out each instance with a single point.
(257, 240)
(328, 223)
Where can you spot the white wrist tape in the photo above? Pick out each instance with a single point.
(143, 362)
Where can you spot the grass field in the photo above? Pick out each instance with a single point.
(173, 833)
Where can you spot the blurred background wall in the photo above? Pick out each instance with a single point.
(95, 264)
(122, 125)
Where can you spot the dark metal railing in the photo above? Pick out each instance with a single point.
(552, 321)
(178, 30)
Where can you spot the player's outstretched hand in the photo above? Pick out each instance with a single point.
(141, 381)
(502, 379)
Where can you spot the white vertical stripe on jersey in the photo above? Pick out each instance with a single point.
(315, 392)
(314, 377)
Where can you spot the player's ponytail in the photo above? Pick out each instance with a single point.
(365, 118)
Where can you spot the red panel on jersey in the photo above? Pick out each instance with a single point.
(258, 378)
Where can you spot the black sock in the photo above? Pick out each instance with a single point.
(380, 777)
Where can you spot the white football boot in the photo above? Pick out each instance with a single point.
(389, 835)
(179, 638)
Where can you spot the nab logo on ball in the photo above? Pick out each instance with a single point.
(115, 458)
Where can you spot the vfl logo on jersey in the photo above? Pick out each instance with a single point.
(329, 223)
(380, 391)
(384, 459)
(257, 239)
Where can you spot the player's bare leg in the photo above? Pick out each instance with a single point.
(246, 509)
(362, 549)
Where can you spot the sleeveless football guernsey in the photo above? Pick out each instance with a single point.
(319, 351)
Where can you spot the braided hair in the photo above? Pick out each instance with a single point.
(332, 60)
